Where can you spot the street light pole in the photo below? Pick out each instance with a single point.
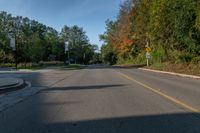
(16, 59)
(67, 50)
(13, 45)
(15, 55)
(68, 58)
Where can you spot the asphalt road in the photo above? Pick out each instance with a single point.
(106, 100)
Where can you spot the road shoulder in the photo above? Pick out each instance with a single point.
(171, 73)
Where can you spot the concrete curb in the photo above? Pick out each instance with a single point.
(129, 66)
(10, 99)
(21, 84)
(172, 73)
(7, 82)
(25, 70)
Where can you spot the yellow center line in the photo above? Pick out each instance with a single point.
(174, 100)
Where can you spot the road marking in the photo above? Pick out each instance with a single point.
(186, 106)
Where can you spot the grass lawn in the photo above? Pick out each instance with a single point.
(34, 68)
(43, 65)
(65, 67)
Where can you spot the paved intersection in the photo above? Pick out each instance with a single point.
(100, 100)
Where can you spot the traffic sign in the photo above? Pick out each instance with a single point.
(148, 49)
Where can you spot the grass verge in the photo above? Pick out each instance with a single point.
(184, 68)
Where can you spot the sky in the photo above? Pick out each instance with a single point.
(89, 14)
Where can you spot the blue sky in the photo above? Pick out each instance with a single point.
(89, 14)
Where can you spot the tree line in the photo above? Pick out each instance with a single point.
(172, 27)
(36, 42)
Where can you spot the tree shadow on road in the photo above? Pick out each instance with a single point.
(112, 86)
(100, 66)
(166, 123)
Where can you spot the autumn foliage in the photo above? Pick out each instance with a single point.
(171, 26)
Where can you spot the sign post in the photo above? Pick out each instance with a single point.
(148, 56)
(148, 53)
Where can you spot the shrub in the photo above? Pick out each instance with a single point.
(185, 58)
(158, 55)
(196, 60)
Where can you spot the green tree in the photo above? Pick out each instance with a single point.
(80, 48)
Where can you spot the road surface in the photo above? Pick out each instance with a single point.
(106, 100)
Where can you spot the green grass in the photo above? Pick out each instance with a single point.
(157, 66)
(42, 65)
(31, 67)
(65, 67)
(7, 65)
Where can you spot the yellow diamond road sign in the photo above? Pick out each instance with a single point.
(148, 49)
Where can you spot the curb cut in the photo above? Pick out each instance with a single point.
(172, 73)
